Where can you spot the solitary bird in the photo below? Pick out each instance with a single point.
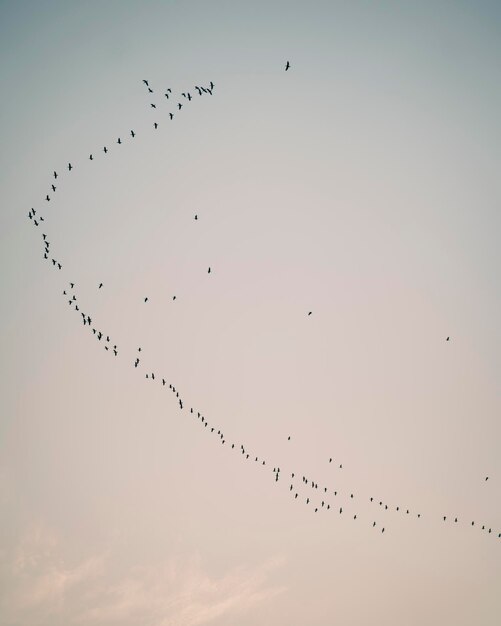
(196, 217)
(171, 115)
(447, 339)
(133, 134)
(100, 285)
(211, 85)
(47, 198)
(153, 106)
(155, 125)
(208, 271)
(70, 167)
(287, 65)
(145, 82)
(91, 157)
(55, 174)
(119, 140)
(310, 312)
(53, 187)
(105, 149)
(486, 478)
(146, 299)
(179, 106)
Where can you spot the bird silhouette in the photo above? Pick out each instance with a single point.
(155, 125)
(55, 174)
(208, 271)
(100, 285)
(211, 85)
(146, 299)
(132, 133)
(119, 141)
(70, 167)
(153, 106)
(145, 82)
(447, 339)
(105, 150)
(310, 312)
(53, 187)
(287, 66)
(171, 115)
(91, 158)
(47, 198)
(196, 217)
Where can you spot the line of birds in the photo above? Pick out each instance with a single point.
(87, 321)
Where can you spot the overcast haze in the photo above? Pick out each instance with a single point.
(362, 185)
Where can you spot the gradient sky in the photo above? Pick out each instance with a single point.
(361, 185)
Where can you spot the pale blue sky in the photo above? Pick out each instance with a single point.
(362, 185)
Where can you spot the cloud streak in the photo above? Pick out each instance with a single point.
(43, 587)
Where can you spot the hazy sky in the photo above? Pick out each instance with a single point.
(361, 185)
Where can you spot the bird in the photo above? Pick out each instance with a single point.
(119, 140)
(91, 158)
(287, 65)
(153, 106)
(179, 106)
(55, 174)
(155, 125)
(53, 187)
(150, 89)
(486, 478)
(447, 339)
(70, 167)
(171, 115)
(145, 82)
(132, 133)
(146, 299)
(72, 285)
(196, 217)
(173, 297)
(310, 312)
(166, 95)
(47, 198)
(208, 272)
(105, 150)
(189, 97)
(100, 285)
(211, 85)
(288, 438)
(330, 460)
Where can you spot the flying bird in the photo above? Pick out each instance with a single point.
(153, 106)
(119, 140)
(155, 125)
(171, 115)
(47, 198)
(55, 174)
(91, 157)
(145, 82)
(287, 65)
(196, 217)
(133, 134)
(447, 339)
(100, 285)
(70, 167)
(53, 187)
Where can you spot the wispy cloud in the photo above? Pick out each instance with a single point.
(43, 588)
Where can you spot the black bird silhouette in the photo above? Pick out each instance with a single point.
(132, 133)
(486, 478)
(91, 157)
(47, 198)
(174, 297)
(145, 82)
(196, 217)
(287, 65)
(55, 174)
(189, 96)
(208, 271)
(146, 299)
(211, 85)
(155, 125)
(288, 438)
(199, 90)
(70, 167)
(100, 285)
(179, 106)
(166, 95)
(72, 285)
(310, 312)
(171, 115)
(53, 187)
(119, 140)
(153, 106)
(150, 89)
(447, 339)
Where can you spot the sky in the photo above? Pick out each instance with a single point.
(361, 185)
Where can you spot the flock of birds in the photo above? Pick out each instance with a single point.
(304, 489)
